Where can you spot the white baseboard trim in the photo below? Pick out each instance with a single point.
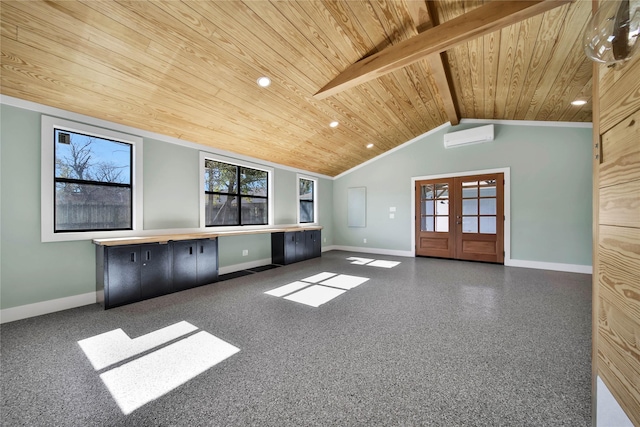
(46, 307)
(539, 265)
(376, 251)
(329, 248)
(554, 266)
(244, 266)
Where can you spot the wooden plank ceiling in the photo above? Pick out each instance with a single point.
(188, 69)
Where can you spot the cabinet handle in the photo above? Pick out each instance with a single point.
(133, 257)
(148, 255)
(201, 249)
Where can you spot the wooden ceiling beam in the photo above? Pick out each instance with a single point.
(483, 20)
(424, 18)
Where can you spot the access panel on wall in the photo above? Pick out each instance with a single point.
(461, 218)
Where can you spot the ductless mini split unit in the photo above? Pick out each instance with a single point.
(468, 136)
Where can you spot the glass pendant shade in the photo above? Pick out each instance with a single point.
(612, 34)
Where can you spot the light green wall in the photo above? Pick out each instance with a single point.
(171, 187)
(550, 190)
(325, 207)
(285, 186)
(231, 247)
(33, 272)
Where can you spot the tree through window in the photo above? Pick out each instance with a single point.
(307, 200)
(235, 195)
(93, 183)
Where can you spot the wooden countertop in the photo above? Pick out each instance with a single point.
(165, 238)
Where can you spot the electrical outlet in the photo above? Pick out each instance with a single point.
(245, 252)
(324, 240)
(364, 240)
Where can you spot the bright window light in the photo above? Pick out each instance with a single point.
(319, 277)
(315, 295)
(115, 346)
(287, 289)
(359, 261)
(344, 281)
(146, 378)
(383, 263)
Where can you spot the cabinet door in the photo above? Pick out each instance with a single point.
(317, 244)
(207, 261)
(123, 275)
(184, 264)
(155, 270)
(301, 252)
(308, 244)
(312, 243)
(277, 248)
(290, 247)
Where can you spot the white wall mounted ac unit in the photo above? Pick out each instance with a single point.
(469, 136)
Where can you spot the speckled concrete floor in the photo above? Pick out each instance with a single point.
(426, 343)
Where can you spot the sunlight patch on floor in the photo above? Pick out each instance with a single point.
(148, 377)
(315, 295)
(344, 281)
(373, 263)
(115, 346)
(317, 289)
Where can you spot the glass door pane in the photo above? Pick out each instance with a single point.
(442, 207)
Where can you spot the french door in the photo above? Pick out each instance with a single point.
(461, 218)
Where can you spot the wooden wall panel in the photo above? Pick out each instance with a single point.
(620, 205)
(618, 337)
(620, 93)
(617, 215)
(619, 268)
(621, 152)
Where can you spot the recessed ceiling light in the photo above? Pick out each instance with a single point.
(334, 124)
(264, 81)
(369, 145)
(579, 102)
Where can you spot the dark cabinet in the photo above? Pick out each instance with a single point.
(207, 265)
(155, 270)
(195, 263)
(313, 244)
(131, 273)
(294, 246)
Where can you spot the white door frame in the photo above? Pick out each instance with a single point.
(507, 204)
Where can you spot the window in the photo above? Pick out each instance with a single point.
(306, 200)
(91, 181)
(235, 194)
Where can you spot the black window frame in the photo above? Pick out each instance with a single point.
(238, 195)
(57, 180)
(312, 201)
